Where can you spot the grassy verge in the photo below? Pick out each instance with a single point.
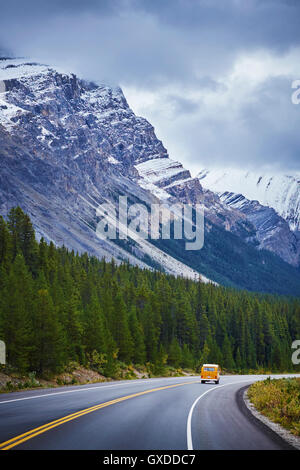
(279, 400)
(74, 374)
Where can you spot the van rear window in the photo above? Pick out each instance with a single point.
(209, 368)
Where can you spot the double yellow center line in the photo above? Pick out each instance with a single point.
(15, 441)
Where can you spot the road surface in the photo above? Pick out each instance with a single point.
(152, 414)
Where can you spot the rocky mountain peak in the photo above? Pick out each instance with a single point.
(68, 145)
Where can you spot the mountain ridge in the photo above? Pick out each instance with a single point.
(270, 203)
(280, 191)
(68, 145)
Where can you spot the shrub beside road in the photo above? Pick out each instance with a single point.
(278, 400)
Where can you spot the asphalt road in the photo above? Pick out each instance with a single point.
(154, 414)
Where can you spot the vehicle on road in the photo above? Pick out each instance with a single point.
(210, 372)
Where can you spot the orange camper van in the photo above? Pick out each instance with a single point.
(210, 372)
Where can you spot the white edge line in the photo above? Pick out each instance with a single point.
(189, 420)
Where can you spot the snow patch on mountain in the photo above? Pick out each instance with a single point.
(161, 170)
(9, 113)
(17, 68)
(157, 175)
(278, 191)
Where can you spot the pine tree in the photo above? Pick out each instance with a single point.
(23, 237)
(159, 366)
(204, 328)
(187, 360)
(47, 354)
(205, 353)
(16, 323)
(151, 329)
(175, 354)
(137, 334)
(228, 361)
(238, 360)
(70, 316)
(121, 332)
(5, 244)
(94, 333)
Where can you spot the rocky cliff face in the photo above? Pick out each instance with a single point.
(171, 182)
(67, 145)
(67, 119)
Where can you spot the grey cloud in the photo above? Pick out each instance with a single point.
(262, 133)
(184, 44)
(182, 105)
(149, 41)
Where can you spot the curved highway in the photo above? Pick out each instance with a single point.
(167, 413)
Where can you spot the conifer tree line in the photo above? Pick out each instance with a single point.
(57, 306)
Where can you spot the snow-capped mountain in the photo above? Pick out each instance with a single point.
(68, 145)
(272, 231)
(89, 127)
(270, 203)
(279, 191)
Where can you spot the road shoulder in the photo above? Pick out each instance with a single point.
(279, 434)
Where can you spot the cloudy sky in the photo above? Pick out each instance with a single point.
(214, 77)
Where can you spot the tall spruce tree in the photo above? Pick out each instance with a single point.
(47, 352)
(17, 306)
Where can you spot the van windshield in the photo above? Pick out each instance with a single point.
(209, 368)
